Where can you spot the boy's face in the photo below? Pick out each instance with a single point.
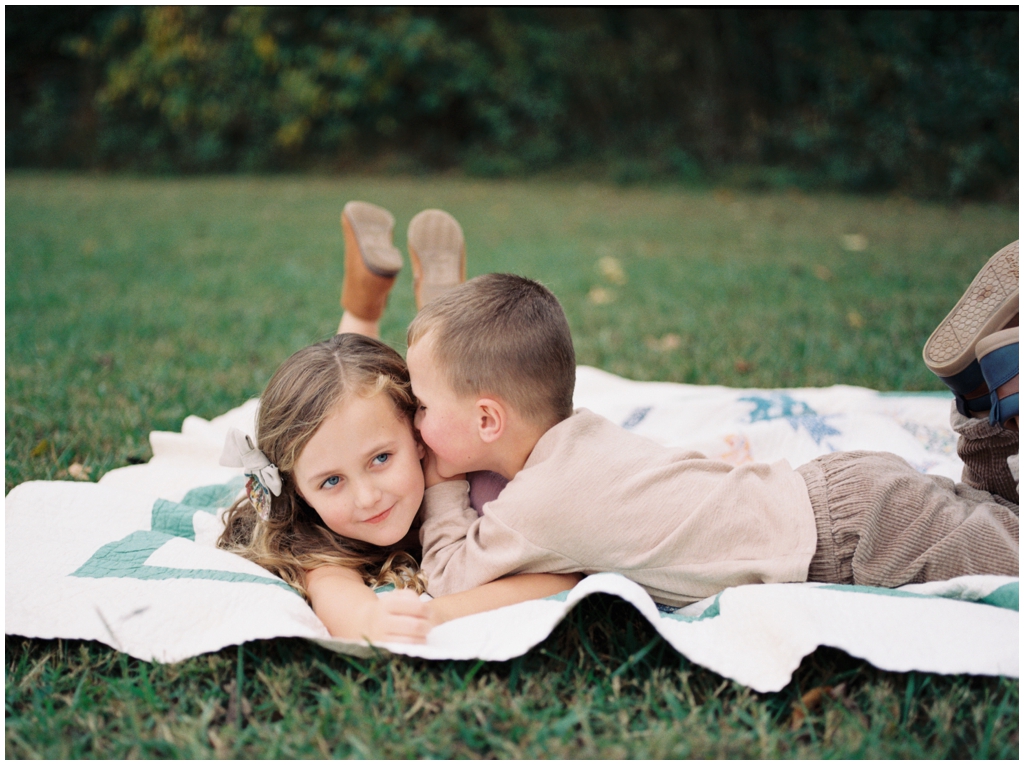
(361, 471)
(446, 421)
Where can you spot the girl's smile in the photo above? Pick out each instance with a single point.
(379, 518)
(361, 471)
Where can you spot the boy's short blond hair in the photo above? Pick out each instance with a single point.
(506, 336)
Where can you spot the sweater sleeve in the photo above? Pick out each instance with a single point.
(462, 550)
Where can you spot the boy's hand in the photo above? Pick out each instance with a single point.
(400, 617)
(430, 475)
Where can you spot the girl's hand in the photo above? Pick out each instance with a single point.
(400, 617)
(352, 611)
(430, 475)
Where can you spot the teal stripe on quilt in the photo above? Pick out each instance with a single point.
(216, 496)
(876, 591)
(1007, 596)
(126, 558)
(175, 518)
(1003, 597)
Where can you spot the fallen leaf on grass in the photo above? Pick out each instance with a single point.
(78, 471)
(743, 366)
(855, 320)
(811, 700)
(611, 269)
(823, 272)
(664, 343)
(601, 296)
(855, 242)
(40, 449)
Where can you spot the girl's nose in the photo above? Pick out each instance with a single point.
(367, 494)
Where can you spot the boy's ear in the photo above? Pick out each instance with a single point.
(491, 419)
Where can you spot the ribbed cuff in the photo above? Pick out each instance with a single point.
(824, 566)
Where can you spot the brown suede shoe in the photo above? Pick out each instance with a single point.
(371, 260)
(437, 250)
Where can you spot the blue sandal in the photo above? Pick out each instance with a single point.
(987, 306)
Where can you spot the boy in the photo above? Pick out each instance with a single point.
(492, 365)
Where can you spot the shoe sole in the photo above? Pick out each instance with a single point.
(987, 305)
(437, 251)
(369, 228)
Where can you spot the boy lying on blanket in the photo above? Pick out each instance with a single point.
(492, 366)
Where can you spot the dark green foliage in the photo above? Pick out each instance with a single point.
(924, 101)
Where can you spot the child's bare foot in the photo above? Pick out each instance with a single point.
(989, 305)
(437, 250)
(371, 263)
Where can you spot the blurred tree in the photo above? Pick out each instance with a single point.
(920, 100)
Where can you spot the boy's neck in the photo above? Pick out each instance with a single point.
(509, 453)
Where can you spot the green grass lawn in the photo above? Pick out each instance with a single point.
(132, 303)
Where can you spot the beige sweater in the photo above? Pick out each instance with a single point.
(593, 497)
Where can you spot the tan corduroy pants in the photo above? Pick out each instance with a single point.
(882, 523)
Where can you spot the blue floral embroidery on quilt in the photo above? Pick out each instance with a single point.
(782, 406)
(636, 417)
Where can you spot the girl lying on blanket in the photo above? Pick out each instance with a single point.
(335, 476)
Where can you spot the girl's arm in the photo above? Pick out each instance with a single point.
(352, 611)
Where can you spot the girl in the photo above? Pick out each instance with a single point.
(336, 481)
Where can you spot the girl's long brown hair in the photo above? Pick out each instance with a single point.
(299, 397)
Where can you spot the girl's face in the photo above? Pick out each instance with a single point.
(361, 471)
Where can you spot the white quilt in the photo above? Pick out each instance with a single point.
(130, 561)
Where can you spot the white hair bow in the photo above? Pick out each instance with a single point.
(264, 476)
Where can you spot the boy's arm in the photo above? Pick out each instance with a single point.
(462, 551)
(352, 611)
(503, 592)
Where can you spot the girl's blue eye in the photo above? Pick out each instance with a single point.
(380, 459)
(332, 481)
